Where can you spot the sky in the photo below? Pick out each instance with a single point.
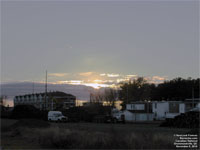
(99, 43)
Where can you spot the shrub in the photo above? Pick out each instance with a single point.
(187, 120)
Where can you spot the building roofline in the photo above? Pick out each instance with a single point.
(53, 94)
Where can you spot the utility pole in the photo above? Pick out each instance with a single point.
(45, 98)
(33, 87)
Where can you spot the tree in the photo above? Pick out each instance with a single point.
(135, 90)
(175, 89)
(2, 100)
(96, 98)
(110, 96)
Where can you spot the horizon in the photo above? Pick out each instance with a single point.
(81, 90)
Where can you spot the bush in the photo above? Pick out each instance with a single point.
(187, 120)
(5, 112)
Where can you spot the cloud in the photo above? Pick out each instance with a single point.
(156, 79)
(109, 81)
(113, 75)
(122, 80)
(104, 81)
(70, 82)
(103, 74)
(159, 78)
(86, 74)
(132, 75)
(98, 81)
(58, 74)
(96, 85)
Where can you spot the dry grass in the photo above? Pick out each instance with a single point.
(89, 136)
(59, 138)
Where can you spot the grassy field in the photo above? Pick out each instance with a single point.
(20, 135)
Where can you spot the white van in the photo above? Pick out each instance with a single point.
(56, 116)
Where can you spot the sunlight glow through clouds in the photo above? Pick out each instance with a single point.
(77, 82)
(98, 80)
(96, 85)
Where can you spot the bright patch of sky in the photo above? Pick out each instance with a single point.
(98, 80)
